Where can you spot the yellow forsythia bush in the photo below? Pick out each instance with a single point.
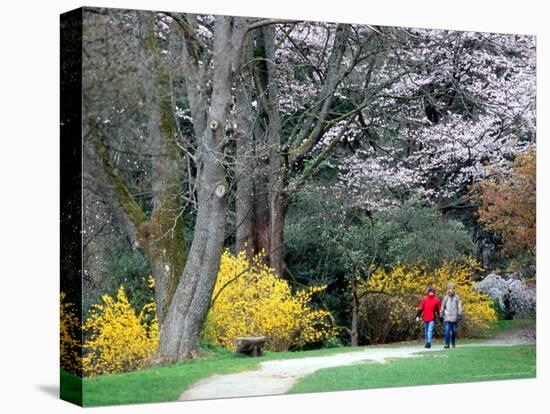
(69, 331)
(250, 300)
(391, 299)
(119, 340)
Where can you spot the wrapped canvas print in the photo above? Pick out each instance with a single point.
(256, 206)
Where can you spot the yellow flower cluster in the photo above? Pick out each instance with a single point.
(396, 294)
(118, 339)
(69, 330)
(250, 300)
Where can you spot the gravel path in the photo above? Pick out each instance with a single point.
(278, 376)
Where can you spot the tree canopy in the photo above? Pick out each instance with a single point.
(325, 151)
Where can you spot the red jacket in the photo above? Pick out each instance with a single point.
(430, 306)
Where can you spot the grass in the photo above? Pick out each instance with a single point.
(156, 384)
(160, 384)
(166, 383)
(442, 367)
(502, 326)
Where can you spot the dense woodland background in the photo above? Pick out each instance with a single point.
(329, 150)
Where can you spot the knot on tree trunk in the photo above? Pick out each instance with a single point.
(220, 191)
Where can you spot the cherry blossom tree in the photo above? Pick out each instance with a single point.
(465, 100)
(292, 118)
(222, 121)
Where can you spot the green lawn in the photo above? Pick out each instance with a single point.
(167, 383)
(501, 326)
(443, 367)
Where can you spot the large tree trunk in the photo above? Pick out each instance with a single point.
(245, 207)
(278, 199)
(162, 236)
(165, 244)
(180, 333)
(159, 238)
(279, 207)
(252, 203)
(244, 202)
(260, 206)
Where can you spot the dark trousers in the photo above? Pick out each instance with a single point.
(450, 331)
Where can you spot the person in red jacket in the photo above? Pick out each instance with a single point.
(430, 307)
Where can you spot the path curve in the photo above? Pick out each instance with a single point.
(278, 376)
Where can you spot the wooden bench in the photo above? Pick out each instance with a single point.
(250, 345)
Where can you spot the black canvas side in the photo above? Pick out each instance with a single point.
(71, 189)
